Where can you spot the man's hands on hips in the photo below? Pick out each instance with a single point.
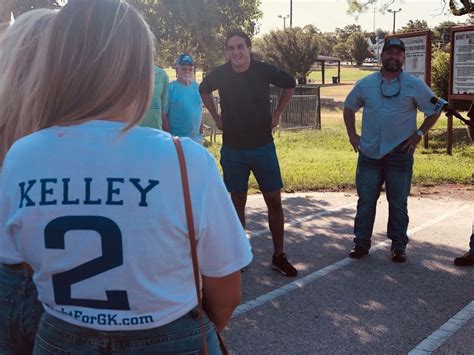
(218, 121)
(354, 139)
(411, 143)
(349, 121)
(275, 120)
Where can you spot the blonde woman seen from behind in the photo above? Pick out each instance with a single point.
(98, 210)
(20, 47)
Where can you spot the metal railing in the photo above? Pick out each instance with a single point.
(304, 109)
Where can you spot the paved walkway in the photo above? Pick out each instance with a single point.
(338, 305)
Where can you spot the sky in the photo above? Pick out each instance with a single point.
(327, 15)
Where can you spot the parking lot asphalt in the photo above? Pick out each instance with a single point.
(338, 305)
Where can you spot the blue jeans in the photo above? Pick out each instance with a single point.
(20, 311)
(182, 336)
(395, 170)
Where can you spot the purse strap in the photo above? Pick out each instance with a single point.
(192, 235)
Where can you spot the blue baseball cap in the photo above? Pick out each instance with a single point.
(394, 42)
(184, 59)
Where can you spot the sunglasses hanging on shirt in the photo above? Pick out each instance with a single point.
(394, 95)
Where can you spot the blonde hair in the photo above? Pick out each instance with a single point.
(20, 47)
(98, 63)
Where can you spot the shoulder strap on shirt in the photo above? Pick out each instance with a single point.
(192, 234)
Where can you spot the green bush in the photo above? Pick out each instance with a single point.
(440, 74)
(358, 47)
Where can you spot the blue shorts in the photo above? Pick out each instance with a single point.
(262, 161)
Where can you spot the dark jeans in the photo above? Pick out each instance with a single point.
(395, 170)
(20, 312)
(182, 336)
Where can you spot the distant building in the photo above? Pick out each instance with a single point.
(375, 47)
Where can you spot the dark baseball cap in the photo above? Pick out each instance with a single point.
(184, 59)
(393, 42)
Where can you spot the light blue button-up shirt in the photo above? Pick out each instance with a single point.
(387, 122)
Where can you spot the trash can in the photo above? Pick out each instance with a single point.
(335, 79)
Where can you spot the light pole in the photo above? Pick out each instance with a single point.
(284, 20)
(374, 20)
(394, 15)
(291, 13)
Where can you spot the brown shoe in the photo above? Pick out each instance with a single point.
(465, 260)
(399, 256)
(358, 252)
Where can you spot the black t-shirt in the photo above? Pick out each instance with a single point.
(245, 101)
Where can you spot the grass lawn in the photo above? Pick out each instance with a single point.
(337, 92)
(348, 74)
(312, 160)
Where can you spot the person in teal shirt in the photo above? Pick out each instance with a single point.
(153, 118)
(182, 116)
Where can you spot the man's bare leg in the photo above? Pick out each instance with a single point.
(276, 219)
(276, 222)
(239, 199)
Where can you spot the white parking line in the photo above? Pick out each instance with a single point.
(304, 219)
(438, 337)
(300, 283)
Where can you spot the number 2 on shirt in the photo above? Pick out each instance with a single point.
(112, 256)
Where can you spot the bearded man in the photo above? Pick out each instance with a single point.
(389, 136)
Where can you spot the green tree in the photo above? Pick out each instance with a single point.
(17, 7)
(440, 73)
(257, 45)
(311, 29)
(441, 34)
(457, 7)
(21, 6)
(358, 47)
(197, 27)
(357, 7)
(342, 51)
(293, 49)
(380, 33)
(327, 42)
(342, 34)
(414, 26)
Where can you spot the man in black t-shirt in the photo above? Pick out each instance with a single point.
(247, 123)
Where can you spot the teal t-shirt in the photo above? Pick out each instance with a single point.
(184, 110)
(159, 99)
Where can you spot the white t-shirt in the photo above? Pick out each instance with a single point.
(100, 217)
